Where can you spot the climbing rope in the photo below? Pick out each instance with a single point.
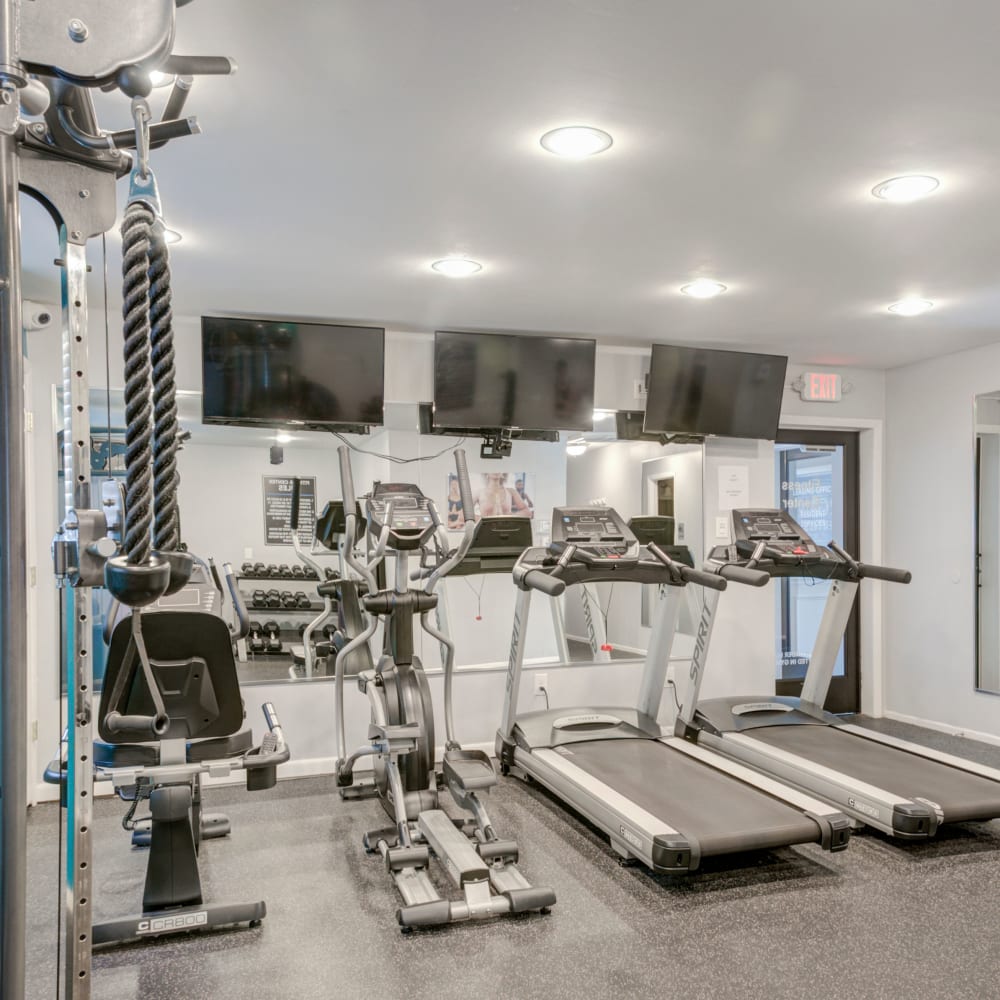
(136, 232)
(166, 525)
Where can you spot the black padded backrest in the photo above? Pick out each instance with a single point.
(191, 654)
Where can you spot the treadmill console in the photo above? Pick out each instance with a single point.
(778, 530)
(496, 546)
(410, 515)
(659, 529)
(598, 530)
(788, 549)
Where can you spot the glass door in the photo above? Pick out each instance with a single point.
(817, 483)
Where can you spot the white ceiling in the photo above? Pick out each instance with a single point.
(364, 138)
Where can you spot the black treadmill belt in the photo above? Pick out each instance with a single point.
(722, 813)
(960, 794)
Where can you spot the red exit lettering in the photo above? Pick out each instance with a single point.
(821, 387)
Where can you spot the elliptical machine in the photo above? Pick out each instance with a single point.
(402, 520)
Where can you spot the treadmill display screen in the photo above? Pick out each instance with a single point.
(597, 527)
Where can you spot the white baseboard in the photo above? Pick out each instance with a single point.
(308, 767)
(943, 727)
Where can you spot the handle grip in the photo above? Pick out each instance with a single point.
(347, 480)
(296, 500)
(155, 725)
(884, 573)
(464, 486)
(537, 579)
(239, 606)
(215, 575)
(710, 580)
(270, 716)
(740, 574)
(198, 65)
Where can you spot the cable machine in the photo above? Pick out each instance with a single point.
(52, 56)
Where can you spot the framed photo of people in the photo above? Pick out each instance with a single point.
(497, 493)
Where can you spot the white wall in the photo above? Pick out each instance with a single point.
(929, 529)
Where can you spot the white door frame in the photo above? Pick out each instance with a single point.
(871, 491)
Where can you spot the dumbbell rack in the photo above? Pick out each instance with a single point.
(286, 634)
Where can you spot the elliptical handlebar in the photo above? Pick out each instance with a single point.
(364, 570)
(239, 606)
(464, 485)
(347, 478)
(455, 556)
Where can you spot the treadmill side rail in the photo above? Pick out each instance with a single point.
(634, 832)
(834, 825)
(876, 807)
(983, 770)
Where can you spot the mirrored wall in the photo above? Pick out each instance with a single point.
(235, 508)
(987, 541)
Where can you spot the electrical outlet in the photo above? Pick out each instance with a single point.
(541, 681)
(679, 531)
(639, 389)
(248, 553)
(722, 527)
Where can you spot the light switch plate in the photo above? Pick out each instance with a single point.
(722, 527)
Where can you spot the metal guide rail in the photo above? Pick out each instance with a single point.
(52, 148)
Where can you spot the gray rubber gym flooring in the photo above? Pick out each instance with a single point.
(878, 920)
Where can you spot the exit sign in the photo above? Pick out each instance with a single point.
(820, 387)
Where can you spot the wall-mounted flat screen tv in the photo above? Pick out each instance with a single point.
(693, 390)
(498, 380)
(283, 373)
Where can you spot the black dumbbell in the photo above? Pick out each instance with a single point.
(297, 572)
(310, 574)
(273, 631)
(302, 600)
(255, 638)
(259, 569)
(329, 630)
(272, 572)
(259, 599)
(274, 598)
(302, 629)
(247, 569)
(288, 599)
(285, 572)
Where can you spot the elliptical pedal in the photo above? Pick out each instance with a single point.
(469, 770)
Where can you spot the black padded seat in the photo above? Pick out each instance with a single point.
(108, 755)
(191, 654)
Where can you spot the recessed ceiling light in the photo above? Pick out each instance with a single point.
(171, 236)
(160, 79)
(283, 438)
(576, 141)
(911, 306)
(576, 448)
(703, 288)
(456, 267)
(909, 187)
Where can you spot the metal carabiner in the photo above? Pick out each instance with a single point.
(141, 116)
(142, 183)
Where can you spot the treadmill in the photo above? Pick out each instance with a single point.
(664, 801)
(903, 789)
